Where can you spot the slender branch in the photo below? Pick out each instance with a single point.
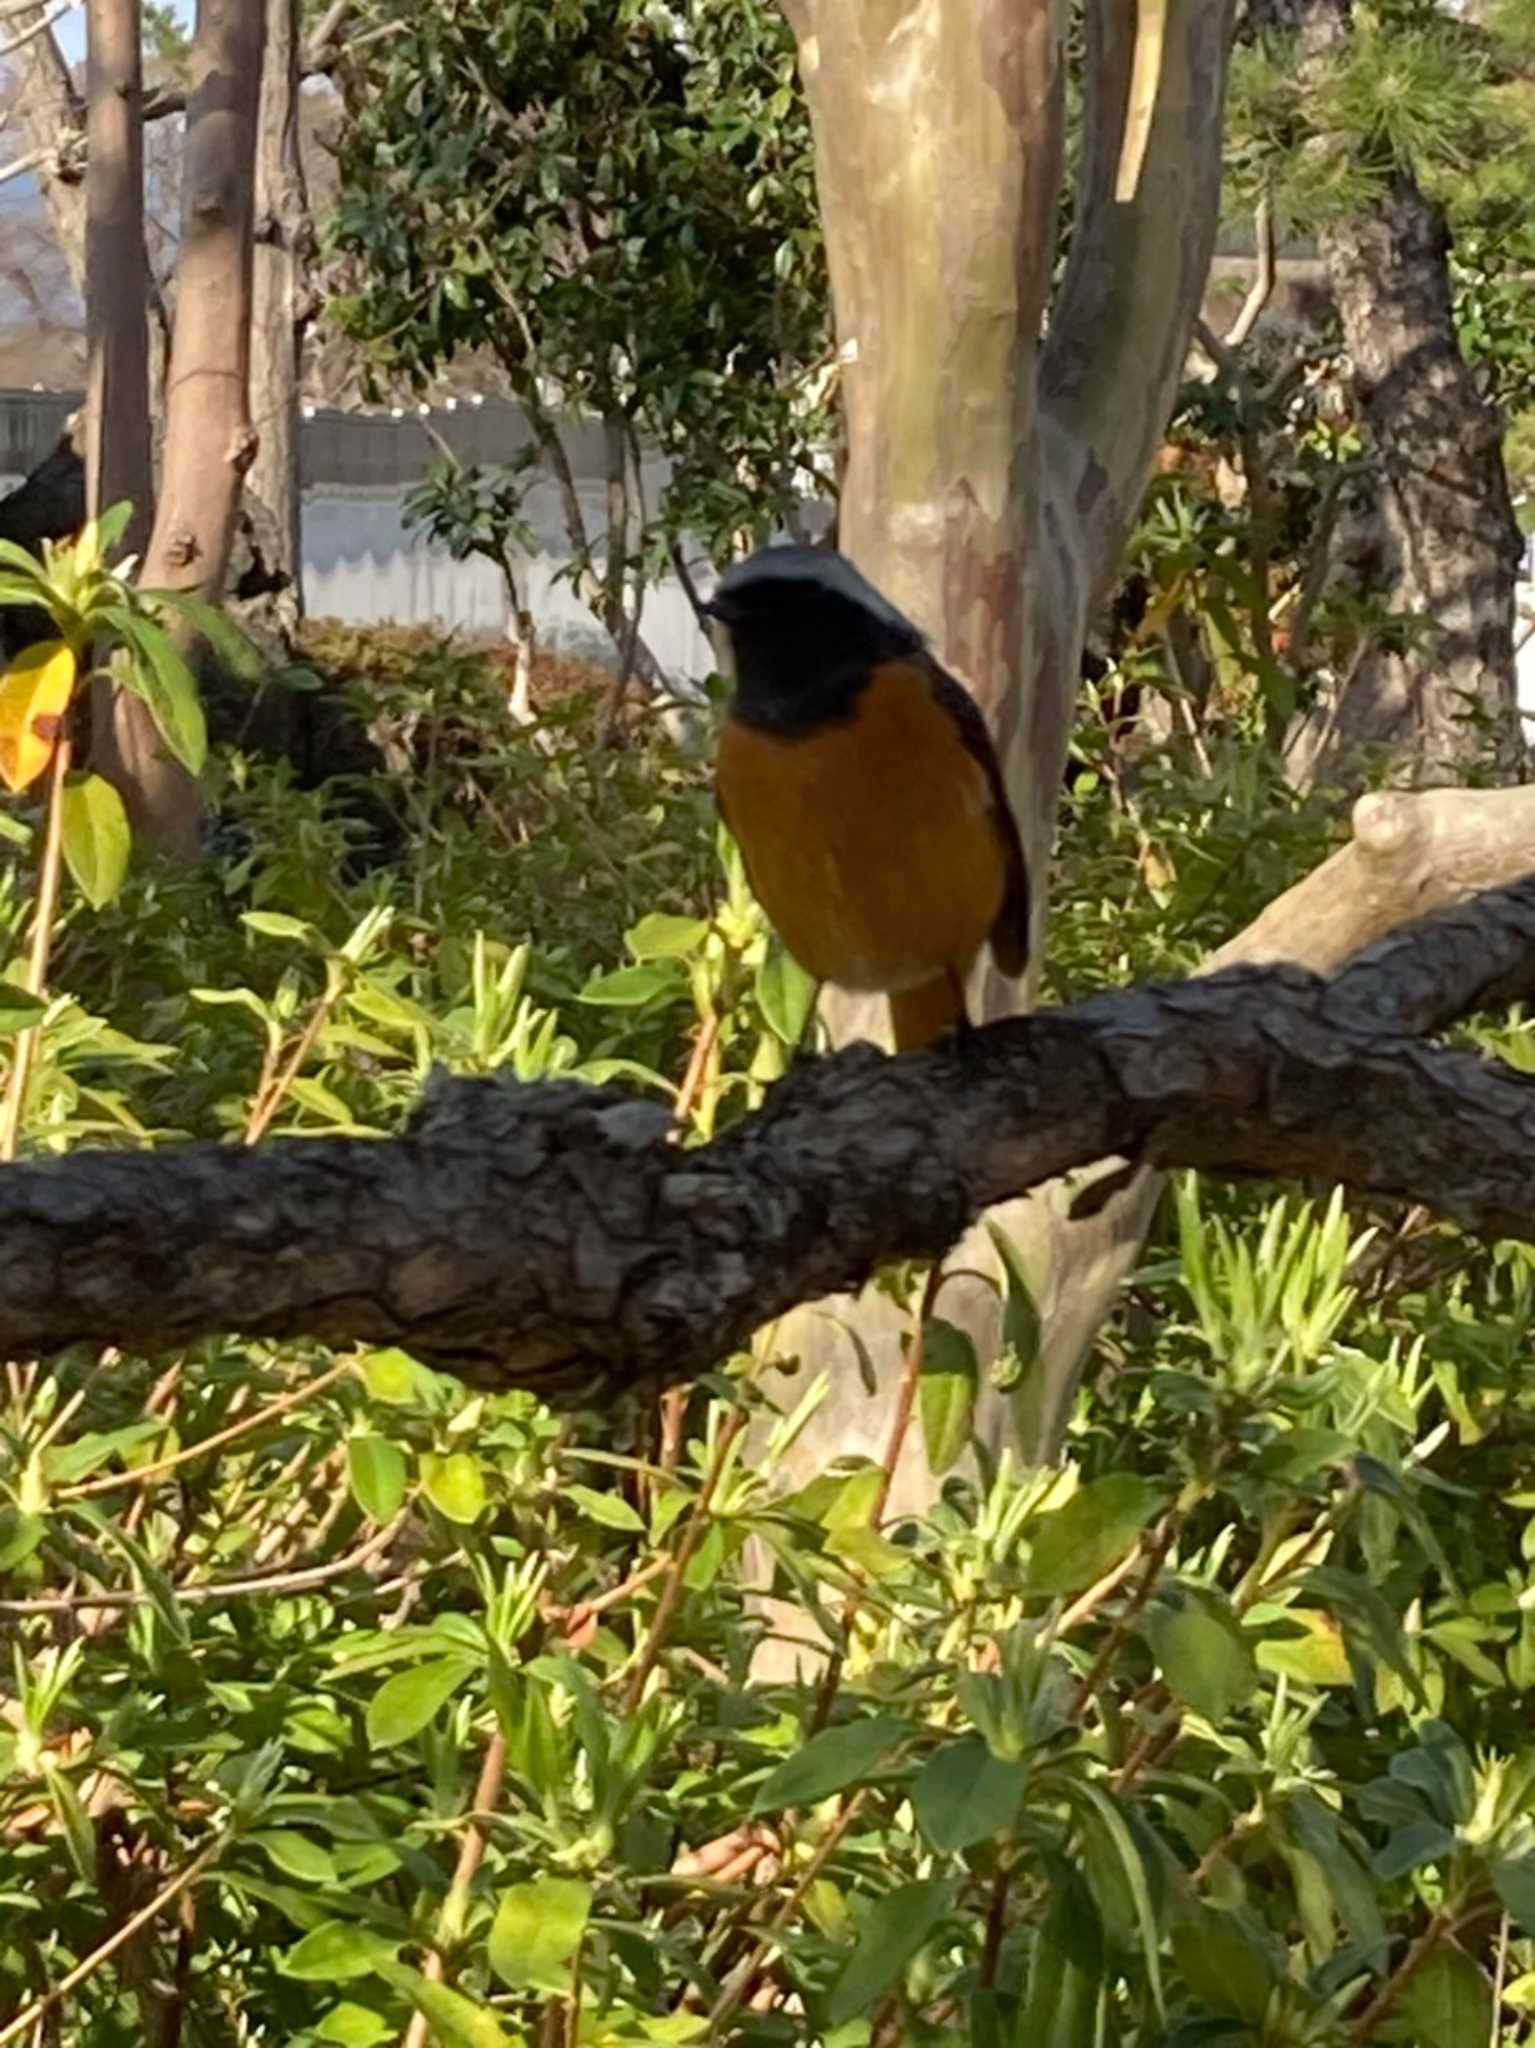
(692, 1535)
(32, 2015)
(49, 875)
(142, 1475)
(450, 1920)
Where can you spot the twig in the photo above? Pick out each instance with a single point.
(744, 1976)
(900, 1423)
(1262, 289)
(222, 1589)
(30, 2015)
(283, 1405)
(1383, 2004)
(1156, 1557)
(450, 1920)
(270, 1098)
(682, 1558)
(39, 27)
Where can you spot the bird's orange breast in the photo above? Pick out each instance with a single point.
(869, 842)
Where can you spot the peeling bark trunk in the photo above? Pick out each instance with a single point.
(209, 441)
(992, 475)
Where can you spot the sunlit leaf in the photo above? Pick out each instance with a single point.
(34, 695)
(97, 838)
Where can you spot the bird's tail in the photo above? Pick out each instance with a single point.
(920, 1015)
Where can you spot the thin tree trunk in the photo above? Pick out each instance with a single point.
(282, 297)
(118, 461)
(209, 440)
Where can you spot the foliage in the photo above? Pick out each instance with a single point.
(1198, 1740)
(616, 201)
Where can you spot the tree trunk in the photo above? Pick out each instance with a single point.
(282, 298)
(1448, 544)
(118, 460)
(209, 441)
(991, 478)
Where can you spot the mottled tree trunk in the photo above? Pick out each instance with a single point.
(994, 468)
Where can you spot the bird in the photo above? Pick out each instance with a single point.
(859, 781)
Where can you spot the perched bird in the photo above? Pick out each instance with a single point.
(861, 785)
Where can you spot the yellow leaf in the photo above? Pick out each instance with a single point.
(34, 695)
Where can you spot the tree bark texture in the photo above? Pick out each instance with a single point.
(209, 440)
(281, 290)
(554, 1236)
(117, 449)
(1449, 546)
(998, 445)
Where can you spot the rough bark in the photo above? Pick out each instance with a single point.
(1446, 544)
(209, 441)
(281, 291)
(991, 477)
(554, 1235)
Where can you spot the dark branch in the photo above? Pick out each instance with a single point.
(550, 1234)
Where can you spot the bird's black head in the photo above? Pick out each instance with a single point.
(805, 631)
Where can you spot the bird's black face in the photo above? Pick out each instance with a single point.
(803, 633)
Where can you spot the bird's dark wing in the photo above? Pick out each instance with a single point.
(1010, 933)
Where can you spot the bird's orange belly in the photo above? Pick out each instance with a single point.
(869, 843)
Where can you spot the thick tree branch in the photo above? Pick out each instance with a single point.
(551, 1234)
(1135, 270)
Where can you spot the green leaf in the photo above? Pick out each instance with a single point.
(537, 1929)
(276, 924)
(455, 2021)
(1110, 1845)
(631, 987)
(65, 1463)
(1227, 1966)
(159, 674)
(946, 1392)
(376, 1468)
(1514, 1877)
(1424, 1841)
(1078, 1543)
(349, 2025)
(404, 1704)
(295, 1855)
(1205, 1659)
(661, 936)
(610, 1509)
(785, 995)
(1065, 1973)
(390, 1376)
(963, 1794)
(335, 1951)
(19, 1010)
(830, 1762)
(1447, 2004)
(454, 1485)
(893, 1930)
(97, 839)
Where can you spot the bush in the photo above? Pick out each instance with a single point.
(372, 1695)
